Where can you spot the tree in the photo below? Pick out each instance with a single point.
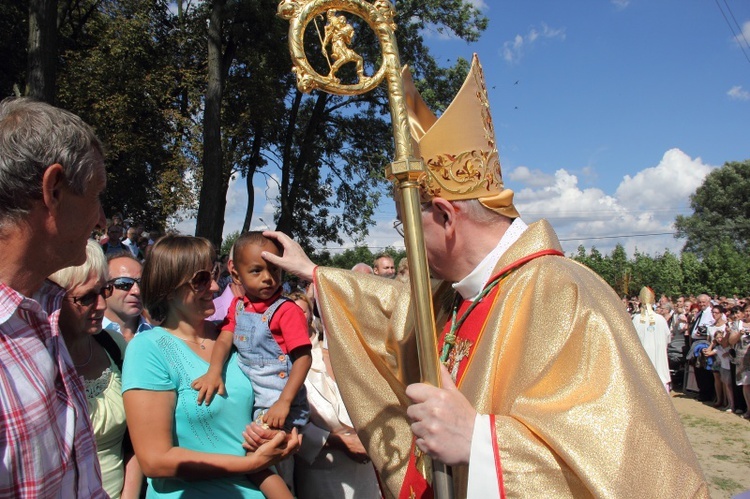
(121, 75)
(668, 278)
(622, 273)
(42, 53)
(725, 269)
(693, 280)
(721, 207)
(330, 151)
(14, 20)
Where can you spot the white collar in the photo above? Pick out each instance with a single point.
(470, 286)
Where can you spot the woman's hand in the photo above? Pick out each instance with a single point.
(294, 259)
(281, 446)
(255, 436)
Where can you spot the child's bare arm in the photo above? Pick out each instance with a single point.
(211, 382)
(301, 362)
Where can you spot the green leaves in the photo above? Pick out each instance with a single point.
(721, 210)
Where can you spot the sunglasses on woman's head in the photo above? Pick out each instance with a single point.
(124, 283)
(92, 296)
(201, 281)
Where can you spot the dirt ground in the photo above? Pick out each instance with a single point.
(722, 443)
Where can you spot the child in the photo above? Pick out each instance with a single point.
(271, 336)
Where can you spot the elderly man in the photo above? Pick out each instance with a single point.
(546, 392)
(124, 307)
(51, 177)
(704, 378)
(704, 318)
(362, 268)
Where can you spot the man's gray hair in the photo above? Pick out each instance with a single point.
(33, 136)
(479, 213)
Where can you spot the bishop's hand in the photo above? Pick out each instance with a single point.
(293, 260)
(442, 420)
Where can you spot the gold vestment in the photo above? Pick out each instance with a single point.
(579, 410)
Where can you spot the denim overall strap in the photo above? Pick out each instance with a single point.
(262, 360)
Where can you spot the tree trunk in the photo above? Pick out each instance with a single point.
(254, 164)
(212, 200)
(42, 56)
(291, 174)
(250, 200)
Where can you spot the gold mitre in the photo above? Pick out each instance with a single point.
(459, 149)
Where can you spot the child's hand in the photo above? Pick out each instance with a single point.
(276, 415)
(208, 385)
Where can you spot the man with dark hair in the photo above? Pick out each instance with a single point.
(114, 242)
(51, 177)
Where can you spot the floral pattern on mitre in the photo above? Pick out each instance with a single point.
(467, 175)
(489, 129)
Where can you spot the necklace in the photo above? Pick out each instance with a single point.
(91, 354)
(200, 344)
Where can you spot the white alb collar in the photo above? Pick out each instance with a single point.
(470, 286)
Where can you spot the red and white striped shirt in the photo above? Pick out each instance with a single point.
(47, 445)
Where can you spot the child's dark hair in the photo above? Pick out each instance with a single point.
(254, 237)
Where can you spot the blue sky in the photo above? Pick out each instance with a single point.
(621, 109)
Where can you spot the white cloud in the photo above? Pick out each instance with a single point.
(743, 39)
(645, 203)
(737, 93)
(513, 50)
(532, 178)
(620, 4)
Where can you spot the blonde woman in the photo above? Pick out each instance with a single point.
(97, 356)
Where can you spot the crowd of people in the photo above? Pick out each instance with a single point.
(544, 388)
(709, 338)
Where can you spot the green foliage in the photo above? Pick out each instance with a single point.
(721, 209)
(359, 254)
(351, 257)
(723, 271)
(119, 74)
(329, 152)
(141, 74)
(692, 274)
(726, 269)
(228, 242)
(668, 274)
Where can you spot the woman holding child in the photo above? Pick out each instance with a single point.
(187, 448)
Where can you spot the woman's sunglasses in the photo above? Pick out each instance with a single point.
(92, 296)
(201, 281)
(124, 283)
